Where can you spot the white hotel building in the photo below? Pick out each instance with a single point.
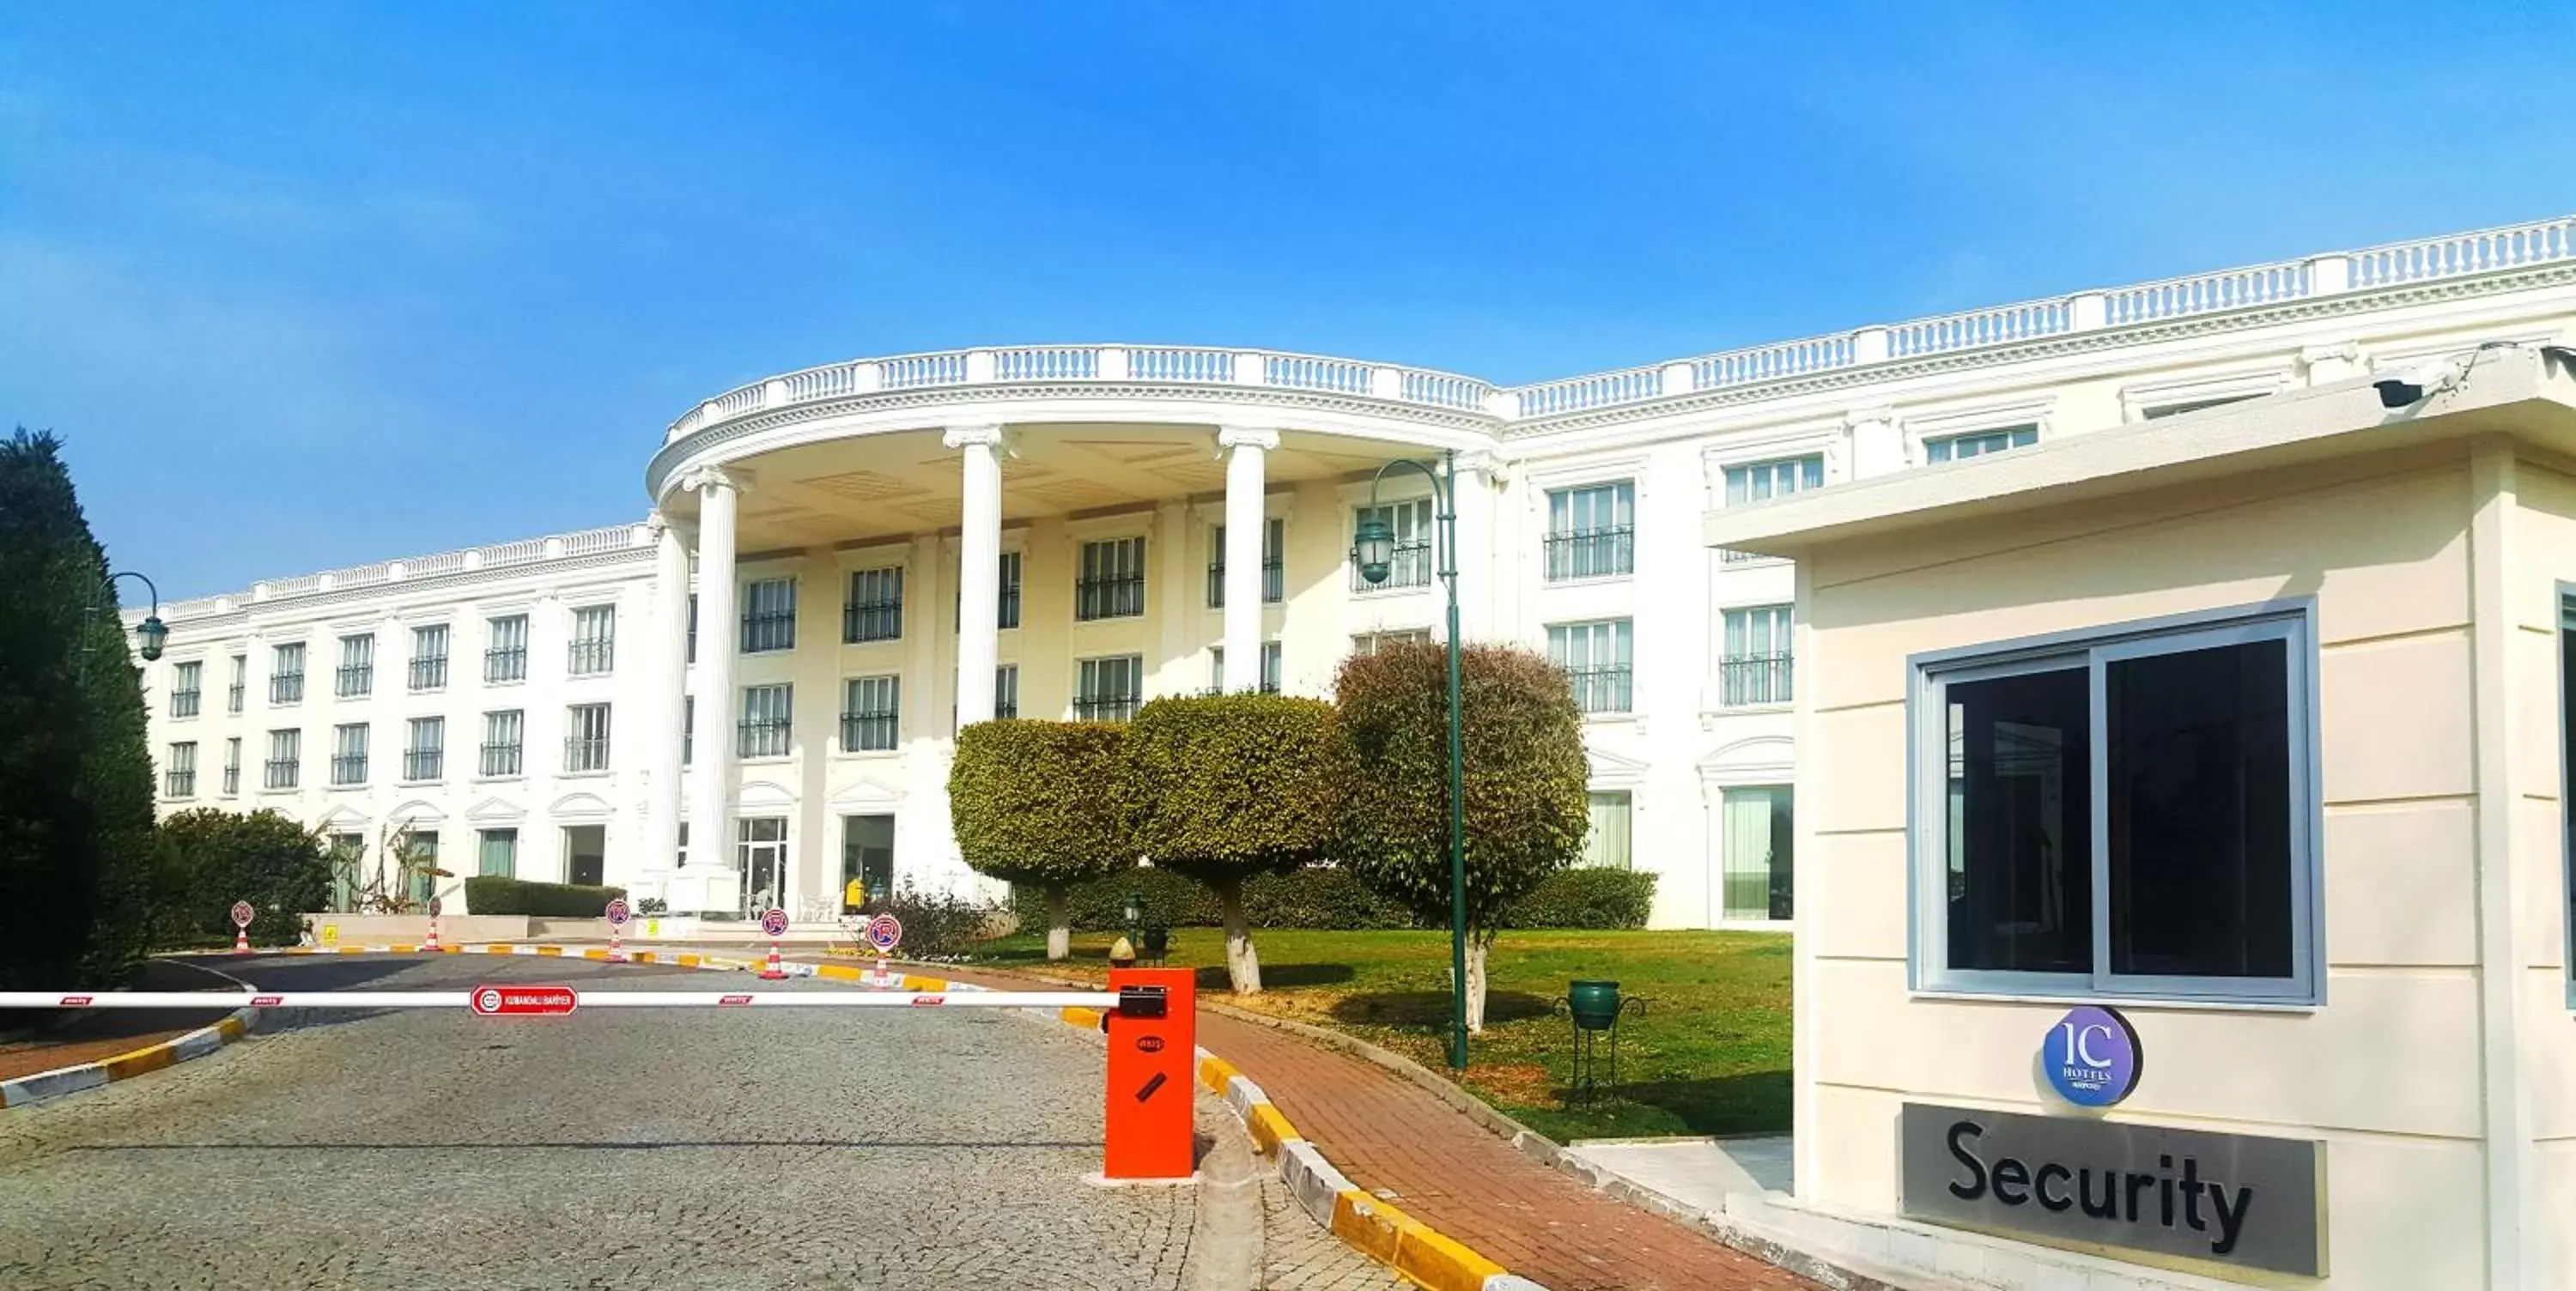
(842, 563)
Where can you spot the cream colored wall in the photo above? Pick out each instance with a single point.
(2543, 552)
(2387, 1072)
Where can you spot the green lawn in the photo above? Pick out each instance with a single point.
(1710, 1055)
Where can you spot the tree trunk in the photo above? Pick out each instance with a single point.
(1059, 924)
(1476, 947)
(1242, 963)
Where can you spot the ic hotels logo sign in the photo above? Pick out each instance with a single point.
(2092, 1057)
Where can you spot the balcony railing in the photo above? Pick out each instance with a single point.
(590, 656)
(508, 663)
(768, 630)
(585, 754)
(281, 773)
(232, 781)
(1009, 610)
(1410, 566)
(1274, 582)
(424, 764)
(502, 760)
(1591, 553)
(869, 731)
(286, 688)
(353, 679)
(1755, 679)
(233, 698)
(348, 768)
(429, 672)
(179, 784)
(1604, 689)
(1106, 708)
(1113, 596)
(762, 738)
(871, 621)
(183, 703)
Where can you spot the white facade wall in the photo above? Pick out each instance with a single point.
(1876, 403)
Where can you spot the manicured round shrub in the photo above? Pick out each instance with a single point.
(1032, 803)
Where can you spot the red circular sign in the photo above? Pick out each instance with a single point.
(618, 914)
(773, 921)
(540, 1001)
(885, 932)
(242, 914)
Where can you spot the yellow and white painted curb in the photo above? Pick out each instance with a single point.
(1364, 1221)
(90, 1075)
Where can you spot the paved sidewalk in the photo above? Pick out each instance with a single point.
(1396, 1138)
(106, 1033)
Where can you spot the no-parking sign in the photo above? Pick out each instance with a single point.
(773, 921)
(885, 932)
(242, 914)
(618, 914)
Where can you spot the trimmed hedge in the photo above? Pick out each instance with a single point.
(1314, 897)
(493, 894)
(1586, 898)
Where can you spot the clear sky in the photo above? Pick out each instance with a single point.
(310, 286)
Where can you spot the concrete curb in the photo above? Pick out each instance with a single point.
(124, 1066)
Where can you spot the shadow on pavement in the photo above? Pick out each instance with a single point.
(1431, 1008)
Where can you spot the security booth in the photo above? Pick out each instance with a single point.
(2181, 859)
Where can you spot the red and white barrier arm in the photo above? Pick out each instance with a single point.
(516, 992)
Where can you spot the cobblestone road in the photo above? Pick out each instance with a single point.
(762, 1148)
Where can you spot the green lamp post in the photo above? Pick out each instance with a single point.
(1373, 550)
(149, 636)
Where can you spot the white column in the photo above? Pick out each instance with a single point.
(1245, 452)
(713, 885)
(1479, 573)
(666, 681)
(979, 574)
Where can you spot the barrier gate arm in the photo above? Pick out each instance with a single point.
(590, 1000)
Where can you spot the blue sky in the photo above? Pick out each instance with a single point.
(303, 287)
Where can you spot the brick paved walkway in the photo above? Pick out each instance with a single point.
(1445, 1170)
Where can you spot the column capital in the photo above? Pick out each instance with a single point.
(2346, 351)
(963, 436)
(707, 477)
(1854, 418)
(1233, 437)
(1487, 466)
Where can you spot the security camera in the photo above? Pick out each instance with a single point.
(2416, 384)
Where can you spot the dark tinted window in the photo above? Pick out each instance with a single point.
(2020, 865)
(2198, 748)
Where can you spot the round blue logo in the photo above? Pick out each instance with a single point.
(2093, 1057)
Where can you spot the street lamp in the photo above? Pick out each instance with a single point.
(149, 635)
(1373, 550)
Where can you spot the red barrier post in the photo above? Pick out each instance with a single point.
(1153, 1054)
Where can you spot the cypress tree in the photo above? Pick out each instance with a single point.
(76, 832)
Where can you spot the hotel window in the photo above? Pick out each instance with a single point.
(1006, 691)
(502, 735)
(186, 681)
(1410, 565)
(232, 766)
(769, 615)
(1274, 565)
(285, 766)
(688, 729)
(2131, 815)
(1756, 825)
(429, 657)
(179, 778)
(766, 714)
(357, 674)
(1595, 657)
(1762, 481)
(496, 853)
(1592, 531)
(349, 753)
(1112, 582)
(1269, 669)
(1609, 843)
(241, 675)
(420, 851)
(505, 648)
(345, 851)
(1956, 448)
(760, 847)
(871, 714)
(586, 738)
(1109, 690)
(874, 611)
(286, 674)
(425, 752)
(693, 628)
(1372, 642)
(1009, 615)
(1755, 668)
(594, 641)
